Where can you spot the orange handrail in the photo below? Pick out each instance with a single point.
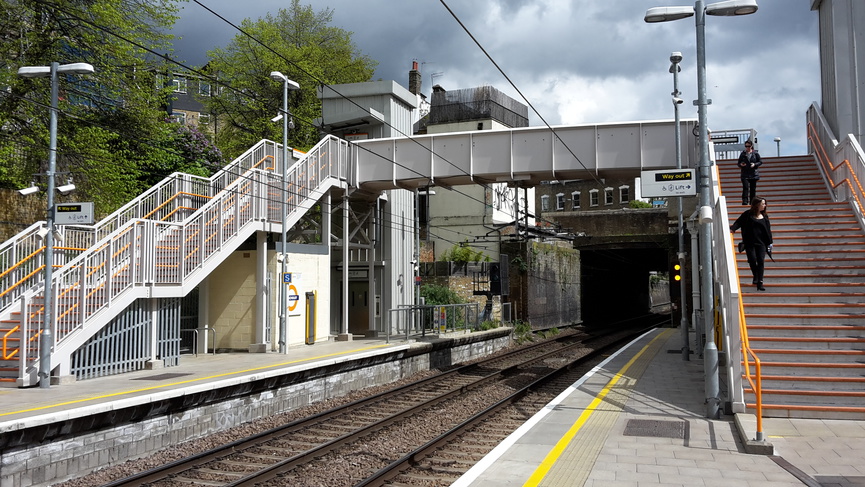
(757, 381)
(825, 161)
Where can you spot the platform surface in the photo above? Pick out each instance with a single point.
(639, 419)
(20, 408)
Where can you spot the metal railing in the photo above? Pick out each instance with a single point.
(160, 258)
(414, 321)
(842, 164)
(728, 144)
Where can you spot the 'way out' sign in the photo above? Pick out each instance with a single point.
(666, 183)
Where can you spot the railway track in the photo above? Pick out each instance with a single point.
(393, 435)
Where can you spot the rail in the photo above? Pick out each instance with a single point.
(842, 164)
(756, 382)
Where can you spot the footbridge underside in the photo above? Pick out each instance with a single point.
(523, 156)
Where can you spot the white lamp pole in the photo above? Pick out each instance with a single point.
(46, 340)
(778, 145)
(283, 291)
(699, 11)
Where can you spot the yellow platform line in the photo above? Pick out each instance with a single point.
(604, 415)
(189, 381)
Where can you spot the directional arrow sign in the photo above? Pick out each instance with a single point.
(668, 183)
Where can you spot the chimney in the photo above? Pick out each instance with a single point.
(414, 79)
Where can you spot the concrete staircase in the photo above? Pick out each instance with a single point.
(808, 327)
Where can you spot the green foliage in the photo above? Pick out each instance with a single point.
(462, 254)
(305, 48)
(639, 204)
(488, 325)
(522, 332)
(438, 295)
(113, 139)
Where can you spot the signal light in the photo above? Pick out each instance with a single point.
(677, 273)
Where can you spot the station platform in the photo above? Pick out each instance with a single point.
(26, 407)
(639, 419)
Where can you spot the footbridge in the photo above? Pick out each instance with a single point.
(109, 277)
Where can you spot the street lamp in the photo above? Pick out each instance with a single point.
(675, 59)
(699, 12)
(46, 339)
(287, 84)
(778, 145)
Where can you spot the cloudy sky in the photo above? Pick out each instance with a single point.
(576, 61)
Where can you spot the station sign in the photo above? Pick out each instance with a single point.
(73, 214)
(668, 183)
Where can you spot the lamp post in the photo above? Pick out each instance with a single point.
(46, 340)
(778, 145)
(699, 12)
(287, 84)
(675, 59)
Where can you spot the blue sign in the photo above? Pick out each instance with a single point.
(286, 277)
(293, 297)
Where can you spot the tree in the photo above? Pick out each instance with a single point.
(302, 45)
(112, 128)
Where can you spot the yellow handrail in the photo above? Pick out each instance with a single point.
(757, 381)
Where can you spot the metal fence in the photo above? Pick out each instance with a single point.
(414, 321)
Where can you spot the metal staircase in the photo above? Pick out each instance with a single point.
(808, 327)
(162, 244)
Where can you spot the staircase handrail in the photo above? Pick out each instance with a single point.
(162, 202)
(756, 382)
(842, 163)
(130, 249)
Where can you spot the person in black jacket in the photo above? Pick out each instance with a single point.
(757, 237)
(749, 163)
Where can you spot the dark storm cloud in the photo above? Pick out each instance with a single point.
(578, 61)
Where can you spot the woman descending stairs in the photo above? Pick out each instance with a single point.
(808, 326)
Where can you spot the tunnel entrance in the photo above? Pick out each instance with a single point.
(616, 282)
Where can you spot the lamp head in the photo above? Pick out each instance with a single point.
(277, 76)
(777, 139)
(32, 189)
(66, 188)
(730, 8)
(667, 14)
(678, 101)
(676, 57)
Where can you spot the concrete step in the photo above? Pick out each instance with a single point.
(807, 343)
(779, 267)
(827, 383)
(812, 398)
(824, 331)
(834, 319)
(796, 356)
(799, 287)
(801, 298)
(804, 308)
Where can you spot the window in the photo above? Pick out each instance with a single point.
(593, 197)
(204, 119)
(624, 194)
(608, 196)
(560, 201)
(575, 200)
(204, 88)
(179, 117)
(179, 84)
(545, 202)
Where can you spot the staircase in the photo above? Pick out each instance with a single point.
(808, 327)
(162, 244)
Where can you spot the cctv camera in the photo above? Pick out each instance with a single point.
(30, 190)
(676, 57)
(678, 101)
(276, 118)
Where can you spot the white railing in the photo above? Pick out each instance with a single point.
(172, 199)
(153, 258)
(842, 163)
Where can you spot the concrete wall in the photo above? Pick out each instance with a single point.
(230, 299)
